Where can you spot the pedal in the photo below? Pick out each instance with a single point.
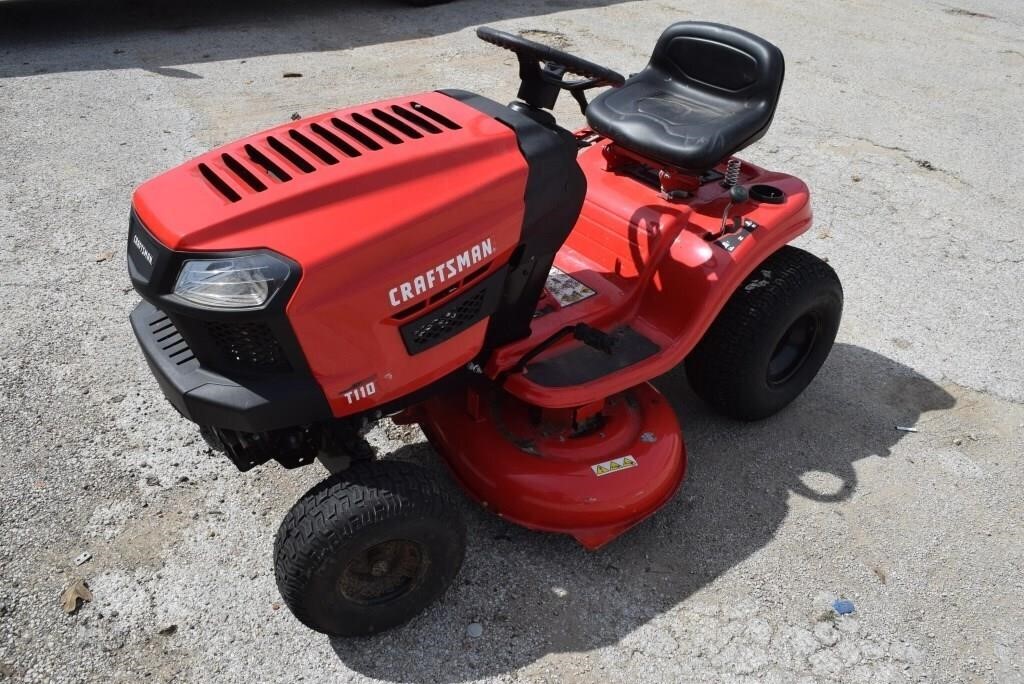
(592, 337)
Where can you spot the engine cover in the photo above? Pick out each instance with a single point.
(401, 216)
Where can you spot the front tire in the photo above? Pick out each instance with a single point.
(771, 338)
(368, 549)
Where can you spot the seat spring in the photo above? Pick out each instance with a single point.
(732, 173)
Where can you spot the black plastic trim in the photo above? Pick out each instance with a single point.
(253, 404)
(555, 190)
(461, 313)
(585, 363)
(221, 385)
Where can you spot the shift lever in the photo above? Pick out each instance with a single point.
(737, 195)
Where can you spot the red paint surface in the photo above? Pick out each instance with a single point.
(535, 475)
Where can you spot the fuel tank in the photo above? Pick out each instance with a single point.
(400, 215)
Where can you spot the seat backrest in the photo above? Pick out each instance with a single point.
(721, 61)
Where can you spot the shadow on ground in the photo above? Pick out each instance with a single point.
(122, 34)
(735, 498)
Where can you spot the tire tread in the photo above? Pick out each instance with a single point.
(338, 507)
(719, 366)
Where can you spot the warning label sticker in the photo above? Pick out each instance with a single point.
(565, 289)
(613, 466)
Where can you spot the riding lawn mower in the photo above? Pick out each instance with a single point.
(508, 285)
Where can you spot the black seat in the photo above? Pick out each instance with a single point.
(708, 92)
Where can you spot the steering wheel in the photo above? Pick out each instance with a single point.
(542, 69)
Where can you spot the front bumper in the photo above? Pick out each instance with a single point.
(236, 370)
(256, 403)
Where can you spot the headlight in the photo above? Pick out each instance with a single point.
(243, 282)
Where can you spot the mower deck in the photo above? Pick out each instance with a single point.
(592, 472)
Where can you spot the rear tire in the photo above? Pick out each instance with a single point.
(771, 338)
(368, 549)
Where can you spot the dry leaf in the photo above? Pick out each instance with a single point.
(75, 591)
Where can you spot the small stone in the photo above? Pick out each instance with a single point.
(825, 633)
(475, 630)
(153, 481)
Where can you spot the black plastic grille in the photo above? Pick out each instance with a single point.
(248, 344)
(169, 339)
(457, 315)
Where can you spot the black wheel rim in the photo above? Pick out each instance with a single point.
(383, 572)
(792, 350)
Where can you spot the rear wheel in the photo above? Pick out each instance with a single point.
(771, 338)
(368, 549)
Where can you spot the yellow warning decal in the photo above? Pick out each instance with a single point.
(614, 466)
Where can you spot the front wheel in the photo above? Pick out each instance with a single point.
(368, 549)
(771, 338)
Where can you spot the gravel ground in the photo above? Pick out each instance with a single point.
(904, 119)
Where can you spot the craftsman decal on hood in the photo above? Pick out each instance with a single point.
(440, 274)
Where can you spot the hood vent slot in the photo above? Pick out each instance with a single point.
(417, 120)
(243, 173)
(431, 114)
(340, 144)
(320, 153)
(325, 142)
(357, 134)
(371, 125)
(219, 183)
(272, 169)
(290, 154)
(400, 126)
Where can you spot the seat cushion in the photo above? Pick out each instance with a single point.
(708, 91)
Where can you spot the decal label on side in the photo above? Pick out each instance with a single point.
(146, 254)
(565, 289)
(614, 466)
(360, 391)
(440, 274)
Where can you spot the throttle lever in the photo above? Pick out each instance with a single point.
(738, 194)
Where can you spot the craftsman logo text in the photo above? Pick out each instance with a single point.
(440, 274)
(142, 249)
